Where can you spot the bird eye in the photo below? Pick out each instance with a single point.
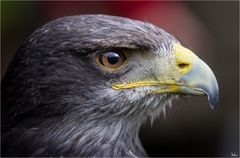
(112, 59)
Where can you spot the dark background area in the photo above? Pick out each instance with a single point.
(210, 29)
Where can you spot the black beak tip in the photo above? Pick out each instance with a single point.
(213, 101)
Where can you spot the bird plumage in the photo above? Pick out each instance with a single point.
(56, 101)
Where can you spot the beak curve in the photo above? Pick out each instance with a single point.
(200, 80)
(196, 76)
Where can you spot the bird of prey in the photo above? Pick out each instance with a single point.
(83, 85)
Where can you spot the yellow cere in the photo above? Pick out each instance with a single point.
(184, 57)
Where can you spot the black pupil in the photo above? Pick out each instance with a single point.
(112, 57)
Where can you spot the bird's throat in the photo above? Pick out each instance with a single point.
(117, 139)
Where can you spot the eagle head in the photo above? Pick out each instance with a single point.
(82, 86)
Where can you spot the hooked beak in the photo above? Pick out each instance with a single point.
(196, 78)
(199, 79)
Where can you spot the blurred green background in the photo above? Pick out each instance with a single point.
(210, 29)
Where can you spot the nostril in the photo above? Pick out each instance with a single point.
(183, 65)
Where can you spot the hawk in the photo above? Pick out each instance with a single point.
(83, 85)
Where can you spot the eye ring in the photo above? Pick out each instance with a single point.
(112, 59)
